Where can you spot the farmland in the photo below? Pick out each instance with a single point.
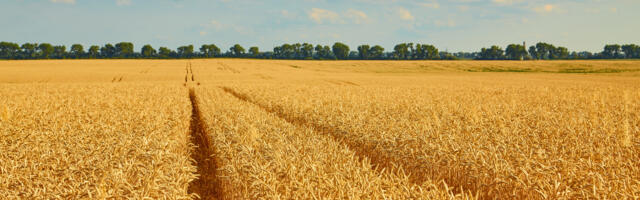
(267, 129)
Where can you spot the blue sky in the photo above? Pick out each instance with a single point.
(454, 25)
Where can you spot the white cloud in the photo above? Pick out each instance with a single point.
(215, 24)
(404, 14)
(506, 2)
(202, 33)
(64, 1)
(547, 8)
(434, 4)
(123, 2)
(321, 15)
(358, 17)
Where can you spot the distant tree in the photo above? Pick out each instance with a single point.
(287, 51)
(147, 51)
(124, 50)
(164, 52)
(185, 51)
(307, 51)
(29, 50)
(515, 52)
(340, 50)
(447, 56)
(545, 51)
(46, 50)
(363, 51)
(77, 51)
(327, 51)
(611, 51)
(426, 51)
(9, 50)
(401, 51)
(376, 52)
(631, 51)
(353, 55)
(297, 50)
(534, 53)
(60, 51)
(320, 54)
(254, 51)
(584, 55)
(108, 51)
(210, 50)
(94, 51)
(493, 53)
(560, 53)
(237, 50)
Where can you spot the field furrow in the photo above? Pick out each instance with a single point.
(261, 156)
(500, 139)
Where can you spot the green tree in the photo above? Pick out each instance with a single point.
(185, 51)
(340, 50)
(164, 52)
(363, 51)
(210, 50)
(545, 51)
(401, 51)
(108, 51)
(534, 53)
(29, 50)
(307, 51)
(297, 50)
(77, 51)
(321, 53)
(631, 51)
(412, 51)
(237, 50)
(124, 50)
(254, 51)
(148, 51)
(611, 51)
(560, 53)
(9, 50)
(427, 51)
(493, 53)
(515, 52)
(94, 51)
(46, 50)
(60, 51)
(376, 52)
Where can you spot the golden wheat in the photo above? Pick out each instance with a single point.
(95, 141)
(261, 156)
(499, 139)
(269, 129)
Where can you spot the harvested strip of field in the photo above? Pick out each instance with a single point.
(95, 141)
(261, 156)
(500, 138)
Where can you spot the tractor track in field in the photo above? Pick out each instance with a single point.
(378, 160)
(206, 185)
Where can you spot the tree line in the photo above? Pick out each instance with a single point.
(306, 51)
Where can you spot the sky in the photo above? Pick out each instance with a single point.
(453, 25)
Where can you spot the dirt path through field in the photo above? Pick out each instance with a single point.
(205, 186)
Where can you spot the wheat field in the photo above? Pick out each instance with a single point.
(279, 129)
